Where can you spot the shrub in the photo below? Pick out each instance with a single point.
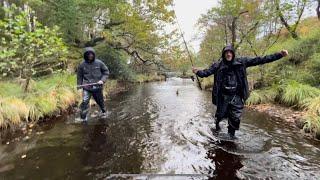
(116, 61)
(303, 49)
(24, 52)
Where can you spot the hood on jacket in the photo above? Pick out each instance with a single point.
(228, 48)
(88, 50)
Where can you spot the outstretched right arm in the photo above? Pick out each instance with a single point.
(206, 72)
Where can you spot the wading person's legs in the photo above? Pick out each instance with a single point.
(84, 107)
(235, 109)
(98, 97)
(221, 112)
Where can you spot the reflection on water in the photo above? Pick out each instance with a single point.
(226, 165)
(151, 130)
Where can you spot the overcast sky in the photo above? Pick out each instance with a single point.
(188, 12)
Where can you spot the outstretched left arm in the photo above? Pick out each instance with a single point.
(264, 59)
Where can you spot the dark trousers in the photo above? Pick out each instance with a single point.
(97, 96)
(231, 108)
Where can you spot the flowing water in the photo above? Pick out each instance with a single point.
(159, 128)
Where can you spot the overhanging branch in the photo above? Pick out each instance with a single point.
(245, 35)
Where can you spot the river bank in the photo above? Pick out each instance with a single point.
(277, 111)
(48, 98)
(286, 114)
(292, 102)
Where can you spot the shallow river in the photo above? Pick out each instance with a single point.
(151, 129)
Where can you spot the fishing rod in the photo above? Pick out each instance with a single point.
(91, 84)
(189, 54)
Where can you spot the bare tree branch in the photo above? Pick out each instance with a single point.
(268, 46)
(245, 35)
(112, 24)
(233, 27)
(300, 15)
(271, 44)
(94, 41)
(243, 12)
(132, 53)
(291, 29)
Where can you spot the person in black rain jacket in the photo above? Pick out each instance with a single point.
(91, 71)
(230, 88)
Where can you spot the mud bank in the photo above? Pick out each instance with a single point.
(286, 114)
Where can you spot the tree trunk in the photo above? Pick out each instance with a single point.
(233, 31)
(32, 22)
(26, 88)
(318, 9)
(226, 33)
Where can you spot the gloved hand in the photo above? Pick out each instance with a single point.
(195, 70)
(284, 53)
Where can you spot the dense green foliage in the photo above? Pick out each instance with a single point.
(117, 61)
(26, 51)
(128, 30)
(125, 29)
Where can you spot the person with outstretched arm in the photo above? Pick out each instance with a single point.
(230, 88)
(92, 73)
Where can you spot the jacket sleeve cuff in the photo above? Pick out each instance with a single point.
(198, 73)
(104, 79)
(279, 54)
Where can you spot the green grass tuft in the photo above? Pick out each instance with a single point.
(8, 89)
(295, 94)
(262, 96)
(13, 111)
(65, 97)
(312, 123)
